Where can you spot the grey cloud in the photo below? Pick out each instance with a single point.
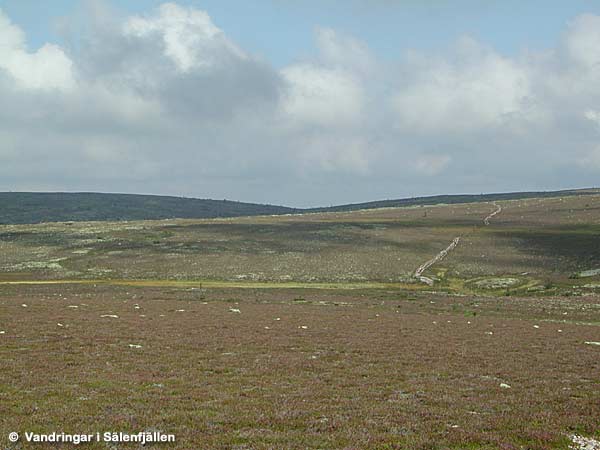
(166, 103)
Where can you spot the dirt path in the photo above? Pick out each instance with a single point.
(441, 255)
(486, 221)
(426, 265)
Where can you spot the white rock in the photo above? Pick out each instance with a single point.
(24, 305)
(304, 327)
(536, 326)
(583, 443)
(504, 386)
(592, 343)
(234, 310)
(112, 316)
(135, 346)
(60, 325)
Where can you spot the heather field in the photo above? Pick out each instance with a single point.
(309, 331)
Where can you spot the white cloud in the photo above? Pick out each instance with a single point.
(318, 95)
(582, 41)
(473, 89)
(345, 52)
(190, 38)
(593, 116)
(47, 68)
(166, 102)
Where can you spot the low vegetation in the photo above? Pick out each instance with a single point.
(309, 331)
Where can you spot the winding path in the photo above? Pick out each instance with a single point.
(486, 221)
(441, 255)
(426, 265)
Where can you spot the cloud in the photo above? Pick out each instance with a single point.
(591, 160)
(166, 102)
(582, 42)
(344, 52)
(188, 37)
(432, 164)
(321, 96)
(593, 116)
(47, 68)
(472, 89)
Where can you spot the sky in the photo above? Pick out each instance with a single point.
(308, 103)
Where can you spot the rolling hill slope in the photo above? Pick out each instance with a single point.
(23, 207)
(31, 207)
(454, 199)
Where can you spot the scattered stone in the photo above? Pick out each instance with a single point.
(536, 326)
(59, 325)
(180, 310)
(304, 327)
(583, 443)
(234, 310)
(589, 273)
(497, 283)
(112, 316)
(135, 346)
(24, 305)
(505, 386)
(72, 306)
(592, 343)
(489, 332)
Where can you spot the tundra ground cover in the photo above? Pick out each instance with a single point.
(300, 369)
(309, 331)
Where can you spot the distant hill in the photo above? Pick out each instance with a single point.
(451, 199)
(30, 207)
